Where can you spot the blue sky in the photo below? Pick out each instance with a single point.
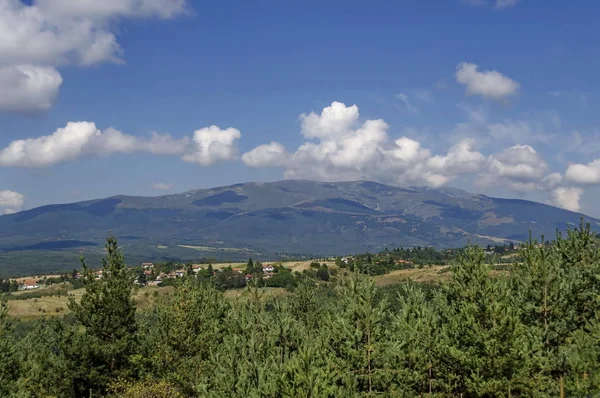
(495, 96)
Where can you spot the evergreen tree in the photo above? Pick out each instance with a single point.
(489, 352)
(188, 327)
(250, 267)
(107, 313)
(355, 329)
(9, 364)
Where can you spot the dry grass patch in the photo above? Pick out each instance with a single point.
(43, 306)
(426, 274)
(266, 293)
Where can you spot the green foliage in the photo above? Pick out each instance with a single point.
(522, 332)
(144, 389)
(323, 273)
(282, 278)
(106, 312)
(188, 326)
(9, 365)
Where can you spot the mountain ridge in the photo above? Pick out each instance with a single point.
(288, 216)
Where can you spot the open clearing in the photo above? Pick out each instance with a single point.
(58, 305)
(426, 274)
(292, 265)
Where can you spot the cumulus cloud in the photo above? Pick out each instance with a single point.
(28, 88)
(340, 147)
(273, 154)
(567, 198)
(335, 120)
(161, 186)
(37, 36)
(212, 145)
(489, 84)
(584, 173)
(79, 139)
(11, 201)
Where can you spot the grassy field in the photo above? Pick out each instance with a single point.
(266, 293)
(426, 274)
(292, 265)
(57, 305)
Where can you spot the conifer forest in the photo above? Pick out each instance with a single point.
(532, 330)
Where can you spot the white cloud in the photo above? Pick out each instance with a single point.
(335, 120)
(11, 201)
(567, 198)
(27, 88)
(79, 139)
(345, 149)
(519, 162)
(212, 145)
(161, 186)
(584, 173)
(58, 32)
(36, 37)
(489, 84)
(404, 98)
(273, 154)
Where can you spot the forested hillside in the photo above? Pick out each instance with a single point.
(532, 331)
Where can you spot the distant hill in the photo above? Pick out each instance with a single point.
(292, 216)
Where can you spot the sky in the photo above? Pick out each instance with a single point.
(149, 97)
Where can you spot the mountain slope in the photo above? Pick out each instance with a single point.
(292, 216)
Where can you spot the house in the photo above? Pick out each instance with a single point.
(153, 283)
(98, 274)
(28, 285)
(147, 265)
(148, 272)
(196, 268)
(268, 268)
(180, 273)
(248, 277)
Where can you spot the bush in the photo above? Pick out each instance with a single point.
(323, 273)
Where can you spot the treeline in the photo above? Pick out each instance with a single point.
(534, 331)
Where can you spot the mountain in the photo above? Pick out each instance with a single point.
(291, 216)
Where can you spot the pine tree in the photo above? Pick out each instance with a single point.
(9, 364)
(107, 313)
(250, 267)
(416, 347)
(356, 327)
(489, 351)
(188, 327)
